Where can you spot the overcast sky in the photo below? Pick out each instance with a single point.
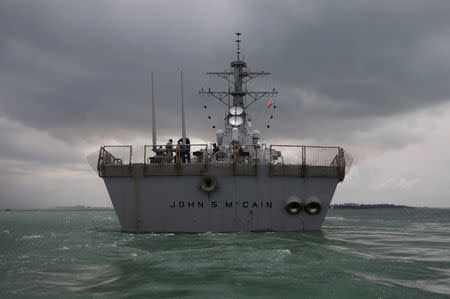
(371, 76)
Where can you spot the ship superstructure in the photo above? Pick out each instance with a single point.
(237, 129)
(235, 184)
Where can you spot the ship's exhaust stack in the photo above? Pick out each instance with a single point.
(219, 137)
(255, 136)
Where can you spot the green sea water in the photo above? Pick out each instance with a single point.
(380, 253)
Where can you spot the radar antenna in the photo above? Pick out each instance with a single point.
(239, 75)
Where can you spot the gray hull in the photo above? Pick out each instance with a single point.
(246, 199)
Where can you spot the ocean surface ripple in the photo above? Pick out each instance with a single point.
(379, 253)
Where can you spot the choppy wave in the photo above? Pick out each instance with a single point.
(367, 253)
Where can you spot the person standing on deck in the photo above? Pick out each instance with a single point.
(169, 149)
(185, 150)
(215, 148)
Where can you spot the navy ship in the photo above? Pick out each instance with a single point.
(233, 184)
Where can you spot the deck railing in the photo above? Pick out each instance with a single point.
(288, 159)
(282, 159)
(306, 155)
(114, 155)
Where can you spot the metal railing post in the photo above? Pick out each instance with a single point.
(100, 165)
(234, 159)
(178, 161)
(256, 159)
(145, 156)
(270, 160)
(303, 155)
(131, 155)
(206, 157)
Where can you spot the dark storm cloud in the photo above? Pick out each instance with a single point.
(75, 74)
(374, 52)
(81, 70)
(339, 66)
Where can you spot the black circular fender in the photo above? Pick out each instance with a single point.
(313, 207)
(293, 207)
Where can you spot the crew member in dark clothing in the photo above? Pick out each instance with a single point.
(169, 149)
(215, 148)
(185, 150)
(178, 154)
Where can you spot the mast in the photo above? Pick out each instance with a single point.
(183, 121)
(237, 66)
(153, 115)
(237, 77)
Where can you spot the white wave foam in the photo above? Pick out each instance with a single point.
(284, 251)
(335, 218)
(32, 237)
(5, 231)
(133, 254)
(211, 234)
(64, 248)
(159, 234)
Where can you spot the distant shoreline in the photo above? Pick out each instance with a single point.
(356, 206)
(353, 206)
(74, 208)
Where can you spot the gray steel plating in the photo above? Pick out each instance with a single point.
(152, 203)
